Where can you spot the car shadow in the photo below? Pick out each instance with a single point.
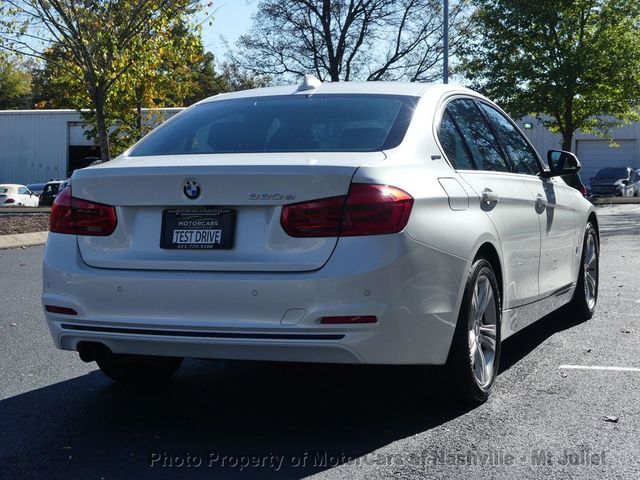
(214, 418)
(519, 345)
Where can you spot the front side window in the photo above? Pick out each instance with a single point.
(23, 191)
(522, 156)
(293, 123)
(478, 136)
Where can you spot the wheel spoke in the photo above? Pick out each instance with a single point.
(480, 366)
(473, 346)
(484, 294)
(488, 340)
(591, 284)
(592, 260)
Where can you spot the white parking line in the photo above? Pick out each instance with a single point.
(598, 367)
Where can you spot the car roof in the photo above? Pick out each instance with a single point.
(11, 186)
(413, 89)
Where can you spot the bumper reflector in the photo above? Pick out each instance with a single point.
(348, 320)
(61, 310)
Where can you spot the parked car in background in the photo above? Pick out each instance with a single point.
(36, 188)
(612, 181)
(356, 223)
(51, 191)
(575, 181)
(634, 181)
(13, 195)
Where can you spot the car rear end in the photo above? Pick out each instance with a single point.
(274, 252)
(8, 196)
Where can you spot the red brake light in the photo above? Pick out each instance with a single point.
(366, 210)
(583, 190)
(10, 200)
(81, 217)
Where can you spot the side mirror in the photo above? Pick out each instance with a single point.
(561, 163)
(625, 182)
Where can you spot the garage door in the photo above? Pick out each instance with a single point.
(77, 136)
(597, 154)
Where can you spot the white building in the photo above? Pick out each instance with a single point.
(593, 152)
(39, 145)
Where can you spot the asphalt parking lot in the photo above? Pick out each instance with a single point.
(60, 418)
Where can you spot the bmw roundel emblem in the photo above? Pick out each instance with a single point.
(191, 189)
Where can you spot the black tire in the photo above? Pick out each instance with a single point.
(462, 380)
(583, 305)
(138, 369)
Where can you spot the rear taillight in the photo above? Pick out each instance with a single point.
(366, 210)
(10, 200)
(583, 190)
(81, 217)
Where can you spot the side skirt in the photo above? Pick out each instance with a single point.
(515, 319)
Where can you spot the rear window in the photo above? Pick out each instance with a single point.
(4, 190)
(295, 123)
(612, 173)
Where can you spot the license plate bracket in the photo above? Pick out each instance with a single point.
(207, 228)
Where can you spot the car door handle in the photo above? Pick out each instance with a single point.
(541, 202)
(489, 196)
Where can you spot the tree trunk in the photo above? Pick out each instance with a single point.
(101, 124)
(139, 96)
(567, 141)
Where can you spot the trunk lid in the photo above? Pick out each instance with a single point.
(254, 186)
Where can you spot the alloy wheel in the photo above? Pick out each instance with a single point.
(483, 331)
(590, 268)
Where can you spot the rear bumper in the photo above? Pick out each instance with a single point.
(412, 289)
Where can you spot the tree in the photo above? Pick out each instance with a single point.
(348, 39)
(15, 83)
(233, 78)
(574, 64)
(99, 42)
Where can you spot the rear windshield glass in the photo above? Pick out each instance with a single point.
(295, 123)
(4, 190)
(612, 173)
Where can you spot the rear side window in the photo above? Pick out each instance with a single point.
(51, 188)
(23, 191)
(478, 136)
(522, 156)
(453, 144)
(293, 123)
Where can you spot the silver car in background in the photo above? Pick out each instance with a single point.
(353, 223)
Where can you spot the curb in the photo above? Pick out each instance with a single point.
(615, 200)
(19, 240)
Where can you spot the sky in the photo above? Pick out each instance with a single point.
(232, 18)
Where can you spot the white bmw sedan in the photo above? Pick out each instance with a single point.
(353, 223)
